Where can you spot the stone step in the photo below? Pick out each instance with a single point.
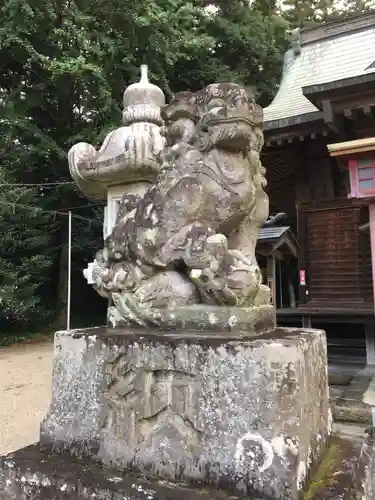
(353, 401)
(32, 474)
(353, 432)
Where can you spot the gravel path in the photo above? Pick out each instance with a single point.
(25, 392)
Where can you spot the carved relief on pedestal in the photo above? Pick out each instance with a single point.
(146, 405)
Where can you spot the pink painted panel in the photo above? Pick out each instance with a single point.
(362, 178)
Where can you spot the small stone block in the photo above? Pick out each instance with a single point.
(238, 413)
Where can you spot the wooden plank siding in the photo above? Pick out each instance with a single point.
(337, 258)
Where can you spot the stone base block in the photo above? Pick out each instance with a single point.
(254, 320)
(346, 472)
(32, 474)
(247, 414)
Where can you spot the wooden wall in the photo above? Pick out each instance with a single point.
(337, 257)
(313, 189)
(281, 168)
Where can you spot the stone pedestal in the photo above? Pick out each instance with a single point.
(249, 414)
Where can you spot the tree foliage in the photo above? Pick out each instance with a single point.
(26, 257)
(247, 46)
(306, 13)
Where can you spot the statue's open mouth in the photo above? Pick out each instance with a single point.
(221, 116)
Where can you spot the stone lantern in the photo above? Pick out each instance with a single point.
(127, 162)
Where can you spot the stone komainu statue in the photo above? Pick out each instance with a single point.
(190, 238)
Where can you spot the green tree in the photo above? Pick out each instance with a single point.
(52, 96)
(351, 7)
(304, 13)
(64, 66)
(247, 45)
(26, 258)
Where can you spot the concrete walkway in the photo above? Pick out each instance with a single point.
(25, 392)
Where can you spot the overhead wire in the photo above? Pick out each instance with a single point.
(64, 211)
(84, 206)
(54, 212)
(39, 184)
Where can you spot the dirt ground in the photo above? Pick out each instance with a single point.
(25, 392)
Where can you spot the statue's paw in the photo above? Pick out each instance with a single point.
(213, 287)
(166, 290)
(128, 309)
(208, 279)
(263, 297)
(217, 247)
(217, 240)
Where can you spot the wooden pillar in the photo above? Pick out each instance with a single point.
(292, 297)
(306, 321)
(302, 264)
(371, 209)
(369, 328)
(370, 344)
(271, 277)
(280, 278)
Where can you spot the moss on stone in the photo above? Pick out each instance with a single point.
(325, 474)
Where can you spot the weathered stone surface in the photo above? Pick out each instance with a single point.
(346, 472)
(249, 414)
(78, 383)
(205, 318)
(189, 237)
(31, 474)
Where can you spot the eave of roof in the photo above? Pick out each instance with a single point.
(345, 83)
(332, 55)
(272, 233)
(292, 121)
(277, 236)
(351, 147)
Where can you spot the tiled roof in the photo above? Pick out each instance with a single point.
(346, 54)
(272, 232)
